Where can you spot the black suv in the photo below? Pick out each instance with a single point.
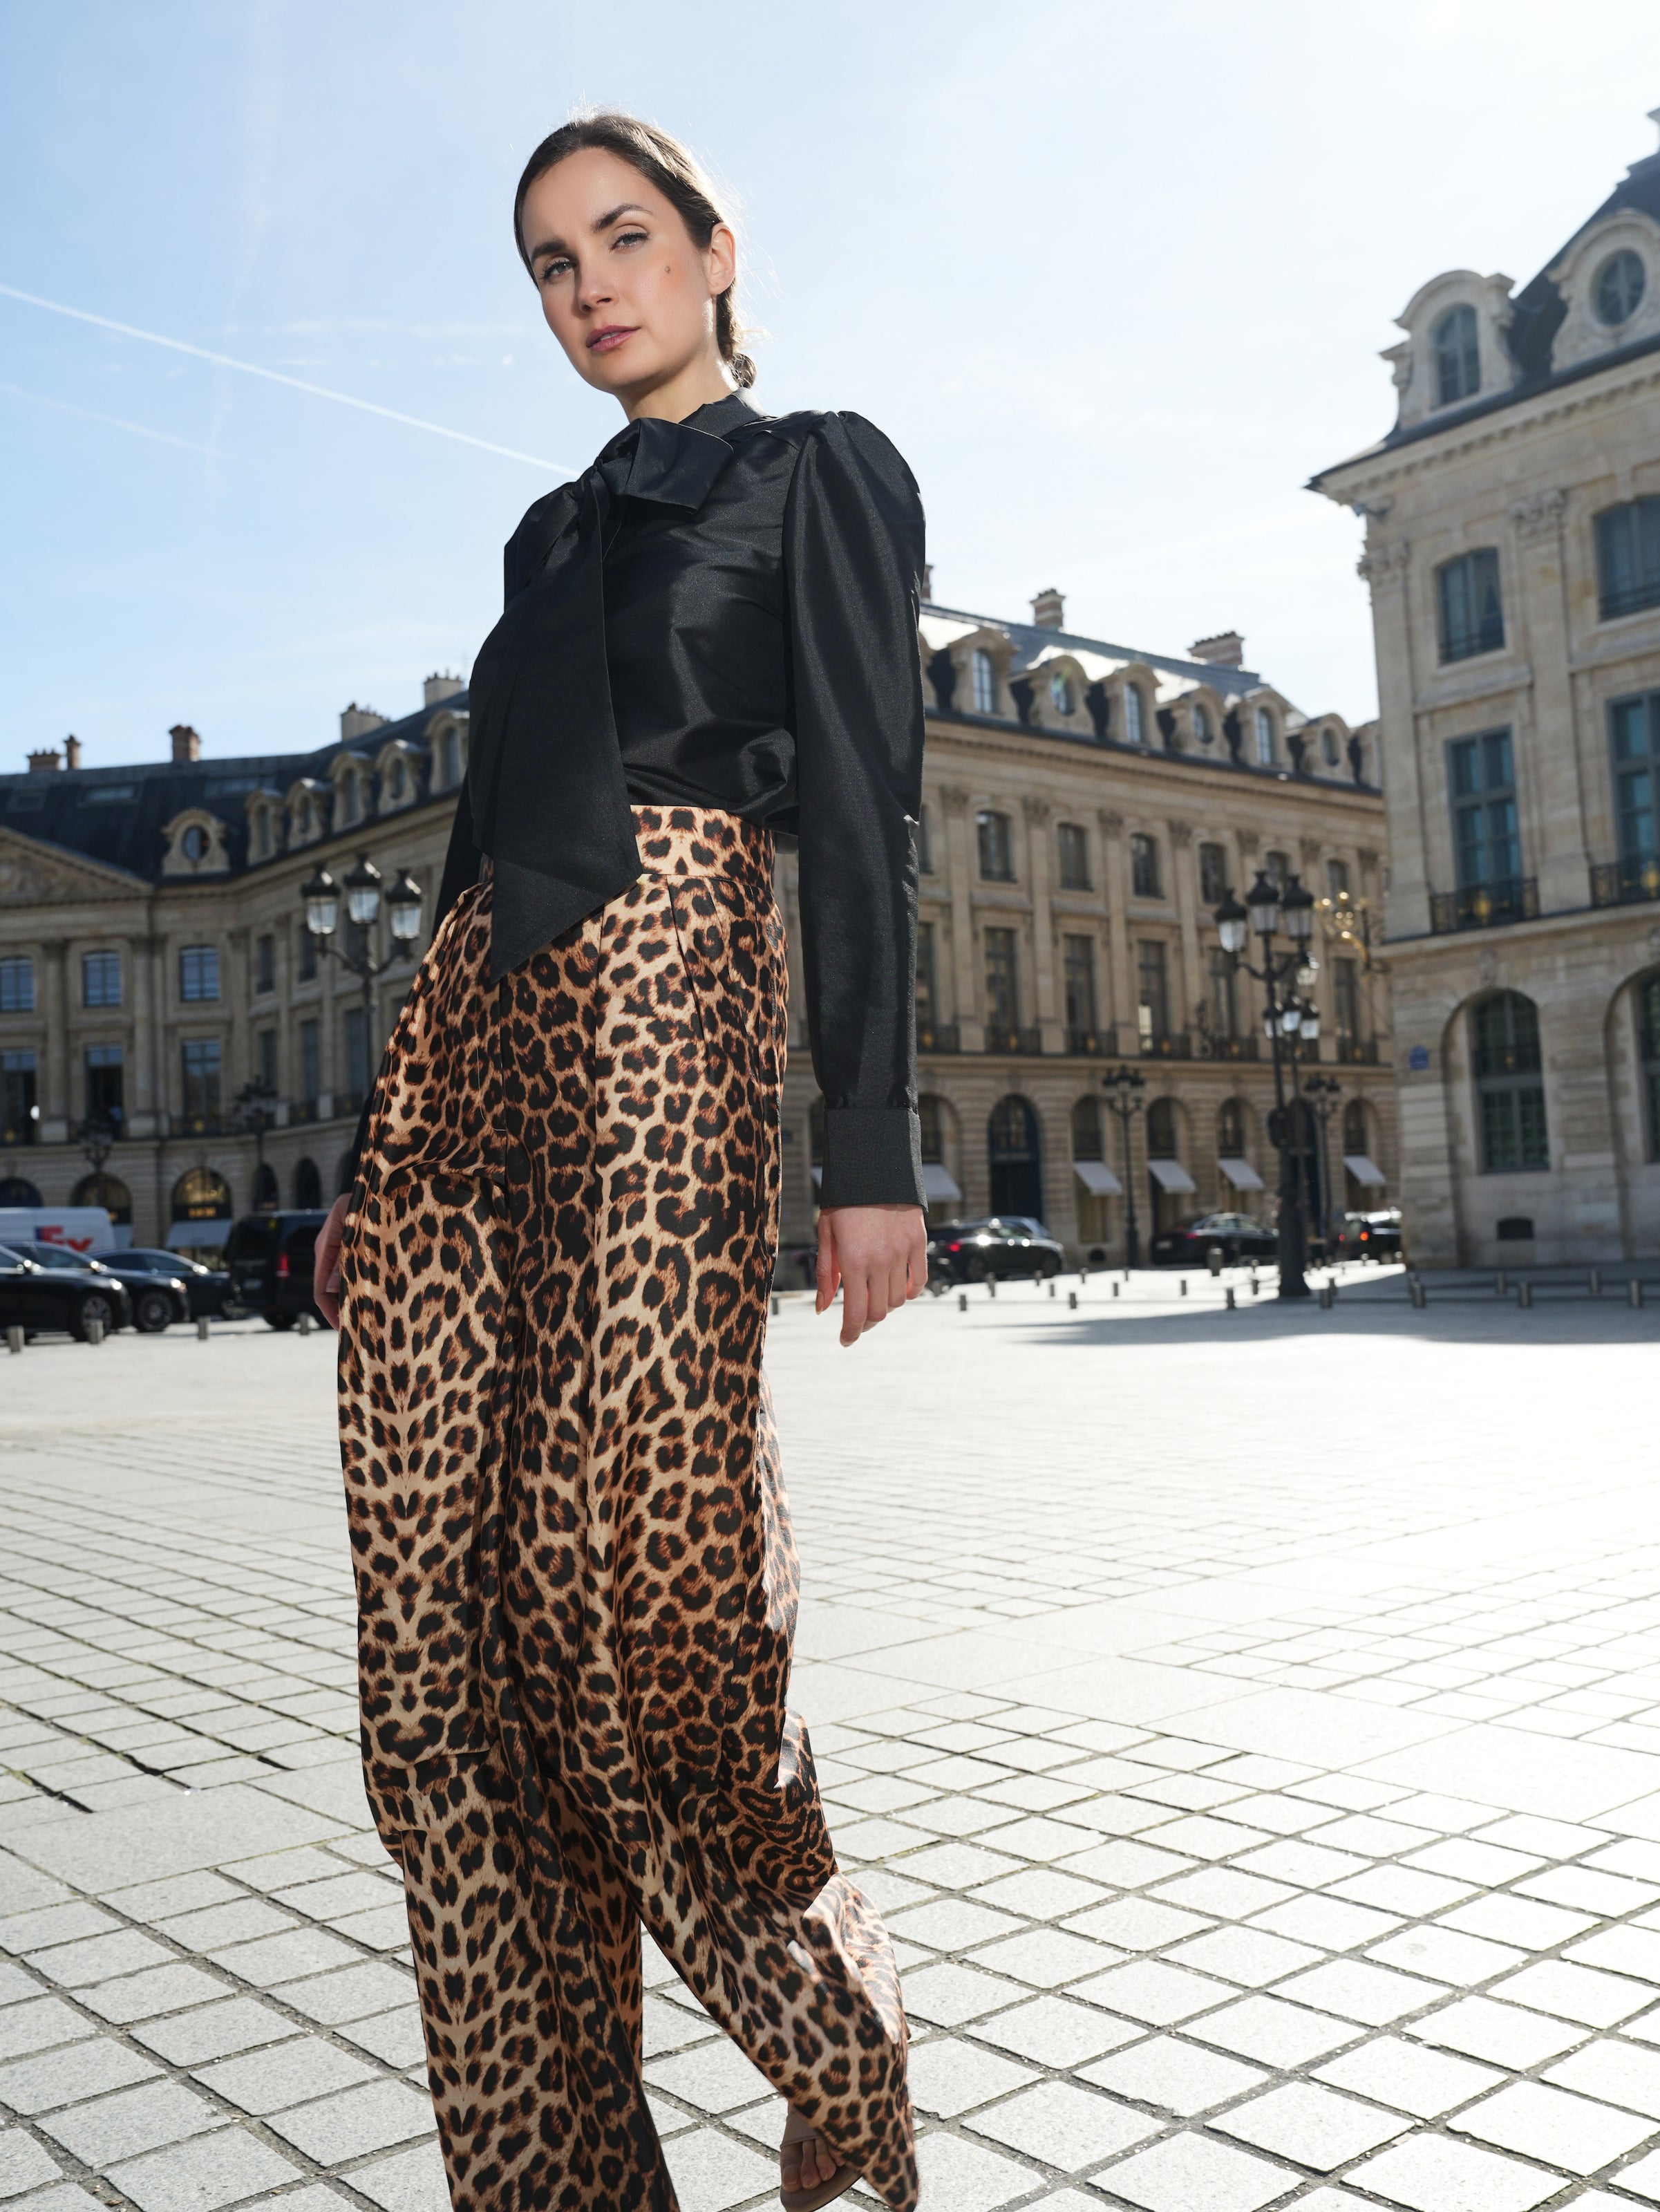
(1009, 1246)
(268, 1260)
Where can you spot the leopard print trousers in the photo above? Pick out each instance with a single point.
(576, 1579)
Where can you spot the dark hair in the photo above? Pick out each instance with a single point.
(664, 162)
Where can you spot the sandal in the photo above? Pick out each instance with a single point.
(797, 2129)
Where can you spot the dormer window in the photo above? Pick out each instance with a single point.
(1617, 291)
(194, 842)
(262, 834)
(1201, 730)
(449, 757)
(302, 819)
(985, 684)
(347, 801)
(1264, 738)
(1060, 693)
(1328, 746)
(394, 785)
(1458, 357)
(1135, 725)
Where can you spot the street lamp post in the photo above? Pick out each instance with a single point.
(256, 1109)
(1270, 911)
(363, 894)
(1124, 1087)
(1322, 1093)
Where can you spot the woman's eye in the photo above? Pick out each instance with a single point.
(631, 238)
(552, 269)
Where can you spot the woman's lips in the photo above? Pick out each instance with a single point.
(608, 340)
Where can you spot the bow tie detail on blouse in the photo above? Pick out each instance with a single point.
(545, 776)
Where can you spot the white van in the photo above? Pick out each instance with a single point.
(77, 1228)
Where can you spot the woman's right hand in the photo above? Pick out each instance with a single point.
(326, 1270)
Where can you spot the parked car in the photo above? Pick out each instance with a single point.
(268, 1257)
(1188, 1244)
(157, 1300)
(1370, 1236)
(1003, 1245)
(33, 1297)
(206, 1288)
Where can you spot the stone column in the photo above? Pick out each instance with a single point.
(1119, 1011)
(58, 1115)
(1386, 568)
(1184, 885)
(143, 1102)
(971, 1031)
(1551, 795)
(1039, 814)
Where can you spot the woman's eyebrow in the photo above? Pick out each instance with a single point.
(599, 222)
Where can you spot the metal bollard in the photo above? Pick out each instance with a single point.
(15, 1338)
(1072, 1300)
(991, 1286)
(1052, 1293)
(201, 1328)
(1524, 1294)
(1184, 1285)
(778, 1303)
(1501, 1284)
(94, 1332)
(1115, 1290)
(1416, 1289)
(1635, 1291)
(304, 1324)
(1083, 1274)
(1231, 1307)
(962, 1302)
(1595, 1284)
(1328, 1297)
(1255, 1287)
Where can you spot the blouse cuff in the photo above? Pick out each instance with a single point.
(872, 1156)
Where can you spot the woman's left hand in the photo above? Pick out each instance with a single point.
(878, 1254)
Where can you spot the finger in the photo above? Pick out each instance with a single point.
(898, 1285)
(827, 1271)
(875, 1297)
(855, 1306)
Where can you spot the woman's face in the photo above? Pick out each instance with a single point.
(626, 291)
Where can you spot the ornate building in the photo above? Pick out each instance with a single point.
(1513, 553)
(1085, 806)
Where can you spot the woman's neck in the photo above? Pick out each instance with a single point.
(681, 394)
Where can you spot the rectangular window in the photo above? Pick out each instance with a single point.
(1636, 731)
(198, 972)
(310, 1065)
(103, 1090)
(1144, 866)
(996, 848)
(1224, 996)
(1486, 841)
(924, 847)
(100, 979)
(927, 999)
(1346, 991)
(1337, 878)
(264, 963)
(16, 984)
(306, 960)
(1078, 973)
(1276, 866)
(1508, 1061)
(1628, 558)
(985, 684)
(1472, 619)
(20, 1116)
(355, 1027)
(200, 1058)
(1075, 857)
(264, 1059)
(1153, 993)
(1213, 874)
(1002, 1006)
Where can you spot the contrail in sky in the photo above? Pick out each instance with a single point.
(276, 376)
(115, 422)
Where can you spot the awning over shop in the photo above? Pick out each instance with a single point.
(1098, 1179)
(186, 1236)
(1364, 1170)
(939, 1186)
(1241, 1174)
(1170, 1175)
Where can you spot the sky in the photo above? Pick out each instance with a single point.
(1113, 277)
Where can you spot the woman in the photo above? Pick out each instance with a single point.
(576, 1580)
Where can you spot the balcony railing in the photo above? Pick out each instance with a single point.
(1092, 1044)
(1357, 1052)
(1484, 906)
(301, 1109)
(938, 1037)
(1621, 882)
(1176, 1045)
(1027, 1042)
(1239, 1047)
(212, 1124)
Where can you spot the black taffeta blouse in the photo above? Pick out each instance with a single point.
(722, 612)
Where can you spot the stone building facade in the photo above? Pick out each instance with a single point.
(1086, 803)
(1513, 555)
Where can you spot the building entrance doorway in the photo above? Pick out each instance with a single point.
(1013, 1155)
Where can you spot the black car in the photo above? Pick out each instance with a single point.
(33, 1297)
(268, 1258)
(205, 1288)
(1002, 1246)
(158, 1299)
(1371, 1235)
(1189, 1243)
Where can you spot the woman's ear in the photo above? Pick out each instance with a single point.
(721, 260)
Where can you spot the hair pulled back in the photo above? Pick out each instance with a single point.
(672, 168)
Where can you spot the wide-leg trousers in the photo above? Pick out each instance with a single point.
(575, 1574)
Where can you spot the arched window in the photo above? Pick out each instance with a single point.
(1458, 359)
(985, 682)
(1357, 1137)
(195, 842)
(1013, 1155)
(111, 1193)
(1161, 1136)
(347, 801)
(199, 1194)
(16, 1190)
(1135, 721)
(1143, 865)
(1648, 1004)
(302, 819)
(1086, 1137)
(266, 1197)
(1617, 291)
(1060, 692)
(1328, 746)
(1264, 738)
(307, 1185)
(996, 848)
(394, 785)
(449, 758)
(1202, 731)
(1230, 1130)
(1509, 1084)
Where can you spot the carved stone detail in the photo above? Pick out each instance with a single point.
(1384, 564)
(1539, 513)
(1250, 842)
(1310, 849)
(1368, 857)
(1181, 834)
(1112, 824)
(1487, 969)
(1036, 810)
(954, 797)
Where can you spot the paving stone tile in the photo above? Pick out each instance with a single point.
(1192, 2174)
(1553, 2125)
(200, 2176)
(956, 1866)
(1312, 2125)
(23, 2164)
(1503, 2034)
(1354, 1990)
(273, 1958)
(271, 2079)
(1173, 2076)
(394, 2037)
(108, 2128)
(716, 2077)
(38, 2024)
(1137, 1924)
(1619, 2073)
(1223, 1892)
(1148, 1990)
(1273, 2033)
(16, 1985)
(710, 2173)
(1125, 1865)
(1249, 1956)
(1580, 1993)
(156, 1901)
(1504, 1917)
(1425, 2083)
(99, 1959)
(213, 2031)
(1066, 2126)
(966, 2176)
(1642, 2179)
(219, 1925)
(949, 2077)
(376, 2116)
(1040, 1893)
(1045, 1957)
(1409, 1893)
(951, 1923)
(23, 1932)
(76, 2071)
(1430, 2174)
(948, 1994)
(351, 1994)
(1054, 2031)
(141, 1996)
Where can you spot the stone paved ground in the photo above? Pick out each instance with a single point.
(1249, 1723)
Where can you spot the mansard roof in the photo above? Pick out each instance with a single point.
(1035, 642)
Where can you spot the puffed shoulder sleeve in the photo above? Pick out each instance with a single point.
(853, 550)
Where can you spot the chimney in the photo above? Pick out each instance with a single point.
(43, 764)
(357, 722)
(1225, 650)
(437, 688)
(186, 745)
(71, 752)
(1049, 610)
